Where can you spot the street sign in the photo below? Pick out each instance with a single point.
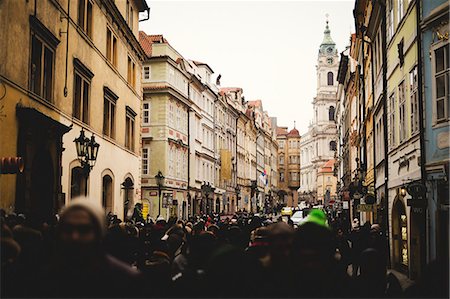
(345, 205)
(416, 189)
(365, 208)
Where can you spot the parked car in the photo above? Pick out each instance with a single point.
(297, 217)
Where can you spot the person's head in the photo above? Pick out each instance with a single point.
(81, 226)
(313, 249)
(355, 224)
(371, 264)
(280, 238)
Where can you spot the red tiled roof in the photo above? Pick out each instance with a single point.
(146, 41)
(281, 131)
(156, 87)
(256, 103)
(327, 167)
(228, 89)
(294, 133)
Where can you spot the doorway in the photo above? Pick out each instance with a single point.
(400, 236)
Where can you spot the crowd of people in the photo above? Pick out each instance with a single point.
(85, 253)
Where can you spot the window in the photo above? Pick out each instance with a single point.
(414, 100)
(109, 113)
(281, 144)
(43, 46)
(331, 112)
(111, 46)
(392, 120)
(107, 193)
(131, 74)
(281, 160)
(281, 176)
(42, 69)
(332, 145)
(441, 77)
(330, 78)
(390, 21)
(81, 99)
(129, 128)
(129, 14)
(78, 181)
(144, 160)
(146, 113)
(402, 112)
(85, 16)
(146, 72)
(400, 11)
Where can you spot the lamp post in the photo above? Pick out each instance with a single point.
(159, 181)
(238, 195)
(87, 152)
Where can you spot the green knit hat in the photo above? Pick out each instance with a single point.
(318, 217)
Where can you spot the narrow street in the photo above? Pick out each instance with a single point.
(238, 149)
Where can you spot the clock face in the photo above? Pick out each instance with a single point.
(329, 50)
(330, 60)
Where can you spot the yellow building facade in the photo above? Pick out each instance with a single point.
(71, 73)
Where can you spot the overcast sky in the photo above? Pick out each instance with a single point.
(267, 48)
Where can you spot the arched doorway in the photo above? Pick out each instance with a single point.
(42, 193)
(400, 235)
(107, 193)
(78, 186)
(217, 205)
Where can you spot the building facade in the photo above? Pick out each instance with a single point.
(165, 141)
(435, 53)
(319, 144)
(66, 62)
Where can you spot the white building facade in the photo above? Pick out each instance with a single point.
(319, 144)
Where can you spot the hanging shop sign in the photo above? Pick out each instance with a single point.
(418, 194)
(365, 208)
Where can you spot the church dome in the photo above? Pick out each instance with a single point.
(328, 46)
(293, 133)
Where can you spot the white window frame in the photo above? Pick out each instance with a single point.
(391, 125)
(146, 73)
(446, 117)
(145, 160)
(146, 112)
(403, 132)
(414, 100)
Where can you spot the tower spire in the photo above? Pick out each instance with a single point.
(328, 46)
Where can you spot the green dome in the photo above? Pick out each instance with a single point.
(328, 46)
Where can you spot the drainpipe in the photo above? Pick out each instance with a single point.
(189, 146)
(67, 48)
(423, 235)
(373, 121)
(385, 130)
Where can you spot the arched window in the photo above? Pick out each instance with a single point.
(331, 113)
(330, 78)
(107, 193)
(77, 182)
(332, 145)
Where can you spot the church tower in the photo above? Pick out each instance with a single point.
(326, 71)
(318, 145)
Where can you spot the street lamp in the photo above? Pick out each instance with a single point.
(403, 190)
(87, 151)
(159, 181)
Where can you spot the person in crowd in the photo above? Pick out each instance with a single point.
(313, 258)
(80, 266)
(372, 281)
(344, 249)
